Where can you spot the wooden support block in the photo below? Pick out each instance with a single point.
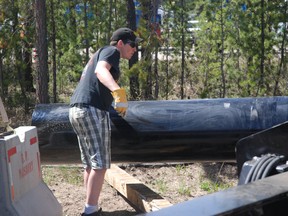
(142, 197)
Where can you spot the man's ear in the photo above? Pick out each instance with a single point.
(120, 43)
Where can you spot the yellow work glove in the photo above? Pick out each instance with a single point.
(120, 101)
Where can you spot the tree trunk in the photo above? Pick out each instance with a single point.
(155, 29)
(134, 81)
(86, 35)
(54, 63)
(147, 11)
(182, 51)
(167, 53)
(42, 50)
(1, 75)
(72, 19)
(223, 94)
(18, 56)
(282, 50)
(111, 17)
(262, 58)
(27, 52)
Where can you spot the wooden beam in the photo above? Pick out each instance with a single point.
(138, 194)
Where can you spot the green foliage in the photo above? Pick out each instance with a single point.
(161, 186)
(180, 168)
(184, 189)
(70, 175)
(243, 43)
(212, 187)
(240, 49)
(71, 64)
(139, 70)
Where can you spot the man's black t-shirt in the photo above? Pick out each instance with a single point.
(90, 90)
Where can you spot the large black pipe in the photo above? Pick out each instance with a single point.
(176, 130)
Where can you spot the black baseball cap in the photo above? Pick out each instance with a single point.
(125, 34)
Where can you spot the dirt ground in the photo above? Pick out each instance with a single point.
(174, 182)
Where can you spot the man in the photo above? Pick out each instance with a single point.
(89, 114)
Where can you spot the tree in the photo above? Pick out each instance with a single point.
(147, 13)
(133, 79)
(42, 49)
(18, 52)
(239, 47)
(53, 49)
(282, 17)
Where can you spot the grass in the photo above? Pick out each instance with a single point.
(213, 181)
(184, 182)
(211, 187)
(180, 168)
(161, 186)
(70, 175)
(183, 189)
(48, 175)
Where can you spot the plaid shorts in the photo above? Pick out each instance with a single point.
(93, 130)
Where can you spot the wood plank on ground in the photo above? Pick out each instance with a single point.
(138, 194)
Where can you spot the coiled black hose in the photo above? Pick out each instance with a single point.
(262, 162)
(271, 166)
(263, 167)
(261, 170)
(253, 168)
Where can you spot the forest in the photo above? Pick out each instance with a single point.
(191, 49)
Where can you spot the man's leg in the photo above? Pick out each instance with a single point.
(99, 141)
(86, 176)
(93, 180)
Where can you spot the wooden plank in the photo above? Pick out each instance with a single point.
(138, 194)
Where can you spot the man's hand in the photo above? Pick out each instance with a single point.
(120, 101)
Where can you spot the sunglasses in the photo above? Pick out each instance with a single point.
(132, 44)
